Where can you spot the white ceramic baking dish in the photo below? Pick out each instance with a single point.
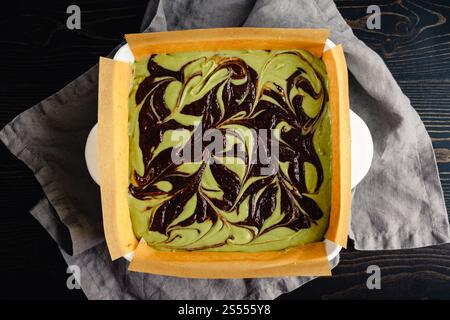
(361, 148)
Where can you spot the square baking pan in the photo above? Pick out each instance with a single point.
(114, 84)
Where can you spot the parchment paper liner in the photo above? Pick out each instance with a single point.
(114, 84)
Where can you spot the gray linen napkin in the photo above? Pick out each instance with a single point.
(398, 205)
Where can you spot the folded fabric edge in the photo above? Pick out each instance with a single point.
(416, 239)
(45, 214)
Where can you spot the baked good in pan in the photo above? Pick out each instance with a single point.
(230, 150)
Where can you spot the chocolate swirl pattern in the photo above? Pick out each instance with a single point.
(221, 200)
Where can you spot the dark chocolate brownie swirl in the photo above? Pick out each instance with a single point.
(208, 201)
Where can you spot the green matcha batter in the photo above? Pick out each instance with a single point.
(228, 204)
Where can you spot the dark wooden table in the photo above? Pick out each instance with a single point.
(39, 55)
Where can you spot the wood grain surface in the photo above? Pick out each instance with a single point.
(39, 55)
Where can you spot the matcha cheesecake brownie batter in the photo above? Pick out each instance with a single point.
(222, 199)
